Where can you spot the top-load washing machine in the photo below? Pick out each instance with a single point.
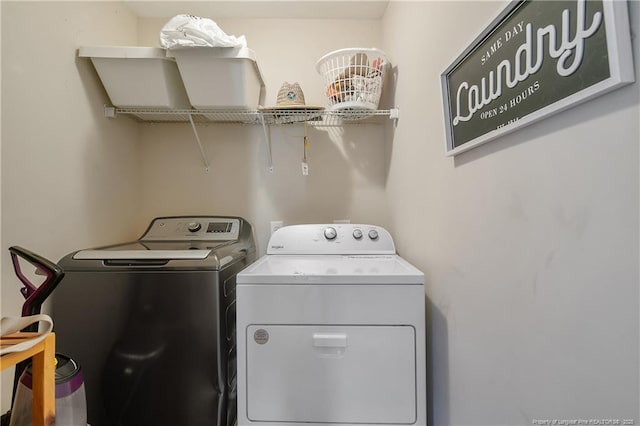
(152, 322)
(331, 330)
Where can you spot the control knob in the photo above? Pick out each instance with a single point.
(357, 234)
(373, 234)
(330, 233)
(194, 226)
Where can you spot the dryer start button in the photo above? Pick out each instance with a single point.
(330, 233)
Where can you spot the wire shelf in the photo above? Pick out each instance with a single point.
(318, 118)
(261, 117)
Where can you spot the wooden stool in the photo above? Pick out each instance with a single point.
(43, 369)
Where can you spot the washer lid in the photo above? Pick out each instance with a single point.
(141, 254)
(331, 269)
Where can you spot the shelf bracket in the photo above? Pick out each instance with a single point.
(267, 139)
(195, 133)
(394, 114)
(109, 111)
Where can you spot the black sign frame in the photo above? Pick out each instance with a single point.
(514, 74)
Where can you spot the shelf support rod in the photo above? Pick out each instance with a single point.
(204, 156)
(267, 140)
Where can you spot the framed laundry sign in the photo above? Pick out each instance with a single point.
(535, 59)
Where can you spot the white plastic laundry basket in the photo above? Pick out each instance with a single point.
(353, 78)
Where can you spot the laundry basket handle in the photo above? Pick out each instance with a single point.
(35, 295)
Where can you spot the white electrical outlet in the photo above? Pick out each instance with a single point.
(275, 225)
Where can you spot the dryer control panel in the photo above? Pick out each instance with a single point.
(198, 228)
(335, 238)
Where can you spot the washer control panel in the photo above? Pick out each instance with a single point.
(331, 239)
(187, 228)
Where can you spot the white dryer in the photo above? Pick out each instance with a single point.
(331, 330)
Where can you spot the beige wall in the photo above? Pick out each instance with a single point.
(70, 177)
(529, 243)
(346, 177)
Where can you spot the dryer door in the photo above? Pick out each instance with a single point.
(331, 374)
